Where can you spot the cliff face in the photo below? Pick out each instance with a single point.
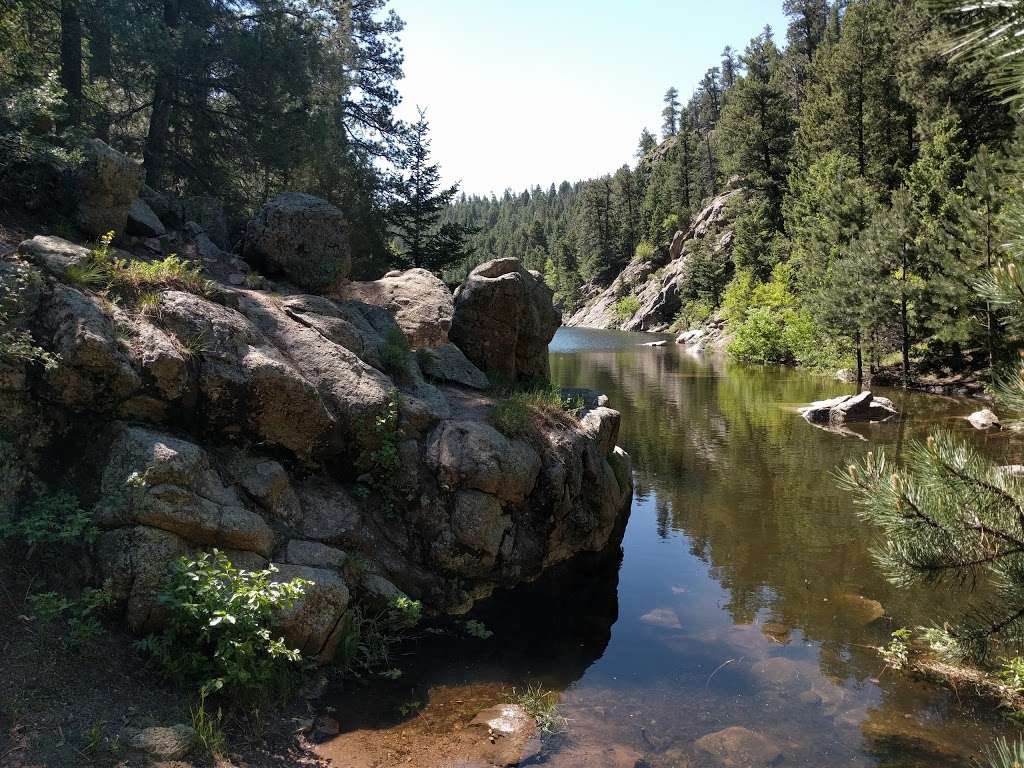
(659, 285)
(287, 427)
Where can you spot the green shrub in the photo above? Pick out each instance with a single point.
(368, 638)
(16, 344)
(53, 519)
(477, 629)
(695, 312)
(394, 352)
(645, 251)
(626, 307)
(770, 325)
(82, 614)
(218, 633)
(380, 466)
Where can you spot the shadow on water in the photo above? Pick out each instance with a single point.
(746, 595)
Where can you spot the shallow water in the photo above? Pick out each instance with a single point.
(742, 596)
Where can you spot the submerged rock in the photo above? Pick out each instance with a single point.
(508, 735)
(857, 609)
(984, 419)
(739, 747)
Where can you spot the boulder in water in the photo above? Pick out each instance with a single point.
(846, 408)
(984, 419)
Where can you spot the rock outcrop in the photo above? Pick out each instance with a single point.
(848, 408)
(301, 237)
(418, 300)
(504, 320)
(106, 184)
(284, 430)
(660, 284)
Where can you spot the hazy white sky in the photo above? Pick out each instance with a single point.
(524, 92)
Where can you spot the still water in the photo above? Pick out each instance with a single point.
(744, 597)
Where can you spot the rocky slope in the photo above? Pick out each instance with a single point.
(292, 425)
(659, 284)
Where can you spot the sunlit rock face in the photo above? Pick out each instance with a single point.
(286, 427)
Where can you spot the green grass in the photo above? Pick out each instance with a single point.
(209, 734)
(542, 705)
(134, 279)
(518, 408)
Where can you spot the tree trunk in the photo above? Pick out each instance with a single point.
(71, 59)
(860, 360)
(100, 46)
(154, 153)
(904, 322)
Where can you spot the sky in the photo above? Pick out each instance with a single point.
(525, 92)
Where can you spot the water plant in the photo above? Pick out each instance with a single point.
(369, 636)
(541, 704)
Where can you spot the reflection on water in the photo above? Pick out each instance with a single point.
(746, 595)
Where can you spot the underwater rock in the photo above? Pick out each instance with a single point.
(738, 747)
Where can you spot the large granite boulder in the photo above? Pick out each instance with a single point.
(106, 185)
(301, 237)
(504, 319)
(419, 301)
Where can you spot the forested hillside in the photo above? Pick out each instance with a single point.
(235, 101)
(870, 169)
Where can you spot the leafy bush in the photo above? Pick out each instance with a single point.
(626, 307)
(218, 634)
(54, 519)
(695, 312)
(771, 327)
(367, 639)
(477, 629)
(16, 344)
(81, 614)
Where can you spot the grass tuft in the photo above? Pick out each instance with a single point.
(542, 705)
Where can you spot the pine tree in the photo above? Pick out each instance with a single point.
(755, 131)
(646, 144)
(670, 114)
(416, 213)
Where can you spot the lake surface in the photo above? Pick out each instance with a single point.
(743, 595)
